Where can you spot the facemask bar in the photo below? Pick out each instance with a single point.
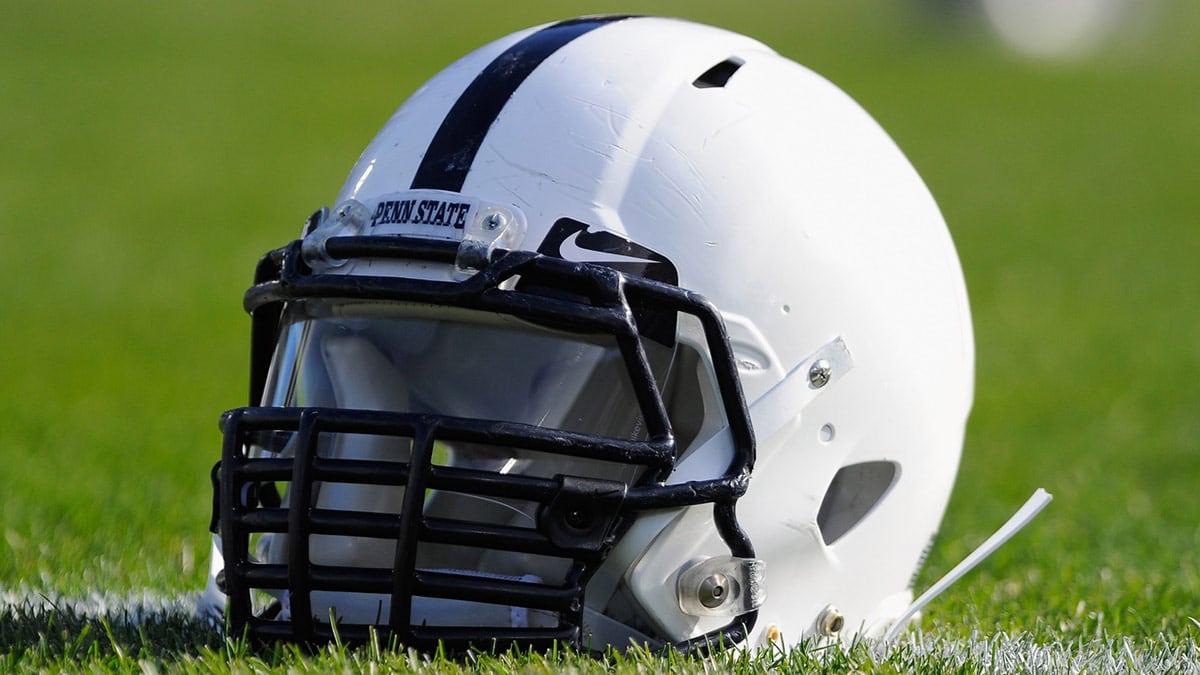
(587, 298)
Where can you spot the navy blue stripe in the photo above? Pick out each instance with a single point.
(452, 150)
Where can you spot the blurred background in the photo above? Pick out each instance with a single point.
(150, 152)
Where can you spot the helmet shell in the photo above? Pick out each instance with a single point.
(780, 200)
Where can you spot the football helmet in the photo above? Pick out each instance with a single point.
(622, 329)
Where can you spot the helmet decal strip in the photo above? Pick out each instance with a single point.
(452, 150)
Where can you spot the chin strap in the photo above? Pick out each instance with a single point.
(1019, 520)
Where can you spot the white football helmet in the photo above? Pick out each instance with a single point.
(622, 329)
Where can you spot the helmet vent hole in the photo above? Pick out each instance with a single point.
(827, 433)
(718, 75)
(854, 492)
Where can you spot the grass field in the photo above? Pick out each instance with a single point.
(149, 152)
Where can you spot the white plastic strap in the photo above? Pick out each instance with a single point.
(774, 409)
(1019, 520)
(770, 412)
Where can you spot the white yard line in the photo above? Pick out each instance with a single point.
(1006, 654)
(132, 606)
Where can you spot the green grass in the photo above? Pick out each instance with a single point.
(119, 641)
(149, 152)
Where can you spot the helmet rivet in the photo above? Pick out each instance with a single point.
(578, 519)
(830, 621)
(493, 221)
(714, 590)
(819, 373)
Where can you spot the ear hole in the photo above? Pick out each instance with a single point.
(718, 75)
(853, 493)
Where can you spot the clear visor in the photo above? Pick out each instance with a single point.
(455, 363)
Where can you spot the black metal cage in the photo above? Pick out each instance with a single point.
(580, 518)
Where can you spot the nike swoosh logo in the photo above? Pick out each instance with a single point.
(570, 249)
